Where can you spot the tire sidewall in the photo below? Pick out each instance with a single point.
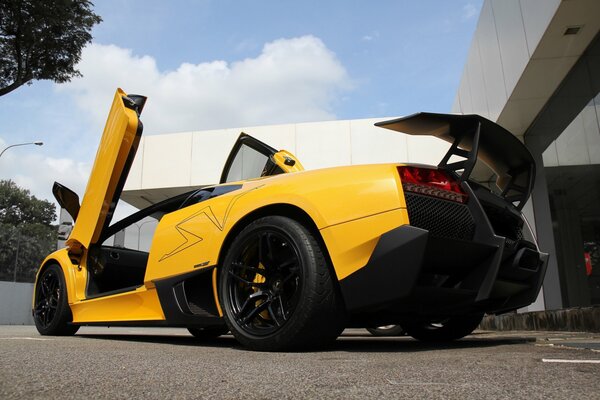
(63, 311)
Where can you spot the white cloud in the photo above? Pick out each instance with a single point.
(469, 11)
(291, 80)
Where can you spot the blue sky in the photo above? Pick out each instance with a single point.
(220, 64)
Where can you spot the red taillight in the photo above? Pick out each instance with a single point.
(431, 182)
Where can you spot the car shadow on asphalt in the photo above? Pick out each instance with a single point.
(179, 340)
(345, 343)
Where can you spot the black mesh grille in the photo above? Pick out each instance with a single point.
(442, 218)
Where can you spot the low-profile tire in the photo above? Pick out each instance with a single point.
(276, 288)
(208, 333)
(51, 311)
(445, 330)
(387, 330)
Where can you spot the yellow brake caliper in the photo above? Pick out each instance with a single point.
(258, 278)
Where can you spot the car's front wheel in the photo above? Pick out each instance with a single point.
(276, 289)
(51, 312)
(445, 330)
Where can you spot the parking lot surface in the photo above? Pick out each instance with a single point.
(169, 363)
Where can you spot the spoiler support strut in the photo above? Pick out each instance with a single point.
(470, 156)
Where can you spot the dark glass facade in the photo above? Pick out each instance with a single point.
(572, 168)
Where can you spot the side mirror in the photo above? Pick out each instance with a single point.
(67, 199)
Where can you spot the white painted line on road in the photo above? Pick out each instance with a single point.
(557, 360)
(23, 338)
(402, 383)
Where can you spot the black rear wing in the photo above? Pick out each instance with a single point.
(473, 137)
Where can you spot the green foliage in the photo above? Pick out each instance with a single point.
(41, 39)
(27, 235)
(18, 206)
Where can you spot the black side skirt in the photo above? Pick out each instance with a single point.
(187, 301)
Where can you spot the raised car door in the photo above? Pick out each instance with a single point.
(250, 158)
(115, 155)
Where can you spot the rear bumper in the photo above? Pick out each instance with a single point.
(413, 273)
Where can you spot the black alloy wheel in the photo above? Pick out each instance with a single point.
(265, 282)
(51, 312)
(275, 287)
(48, 293)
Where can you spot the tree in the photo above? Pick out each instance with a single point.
(42, 39)
(27, 235)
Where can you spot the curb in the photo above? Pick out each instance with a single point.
(582, 319)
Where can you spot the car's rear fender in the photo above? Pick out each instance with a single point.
(347, 209)
(282, 209)
(329, 196)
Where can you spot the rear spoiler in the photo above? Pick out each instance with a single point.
(473, 137)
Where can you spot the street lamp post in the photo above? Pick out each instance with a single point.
(17, 255)
(37, 143)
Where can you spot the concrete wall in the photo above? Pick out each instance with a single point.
(15, 303)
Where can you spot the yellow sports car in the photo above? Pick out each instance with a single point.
(286, 258)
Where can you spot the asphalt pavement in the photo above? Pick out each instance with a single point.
(108, 363)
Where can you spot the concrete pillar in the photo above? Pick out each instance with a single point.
(543, 225)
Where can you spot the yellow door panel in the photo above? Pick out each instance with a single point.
(119, 137)
(351, 244)
(139, 305)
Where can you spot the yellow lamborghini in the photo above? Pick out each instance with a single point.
(286, 258)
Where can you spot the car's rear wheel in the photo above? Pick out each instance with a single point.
(276, 289)
(444, 330)
(51, 312)
(208, 333)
